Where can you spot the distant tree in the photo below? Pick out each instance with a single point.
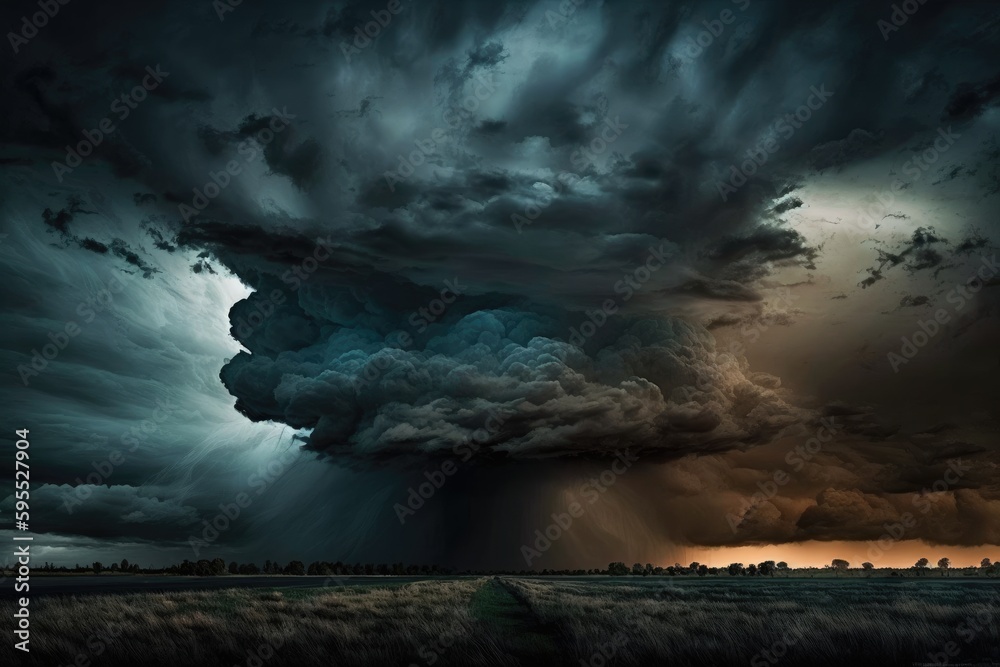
(921, 565)
(735, 569)
(217, 567)
(638, 569)
(617, 569)
(783, 566)
(702, 570)
(114, 567)
(234, 568)
(648, 570)
(694, 566)
(943, 565)
(766, 568)
(868, 567)
(124, 565)
(296, 568)
(839, 565)
(97, 567)
(751, 570)
(984, 563)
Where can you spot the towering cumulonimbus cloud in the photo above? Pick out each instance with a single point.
(549, 230)
(653, 385)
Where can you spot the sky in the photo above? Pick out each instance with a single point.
(503, 284)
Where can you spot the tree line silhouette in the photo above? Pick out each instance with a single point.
(768, 568)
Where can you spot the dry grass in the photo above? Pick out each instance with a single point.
(524, 621)
(727, 622)
(349, 626)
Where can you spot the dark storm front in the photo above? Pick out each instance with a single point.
(98, 303)
(559, 332)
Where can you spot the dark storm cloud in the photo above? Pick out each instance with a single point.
(408, 166)
(857, 145)
(61, 219)
(764, 245)
(406, 221)
(726, 290)
(298, 161)
(970, 100)
(631, 388)
(909, 301)
(918, 253)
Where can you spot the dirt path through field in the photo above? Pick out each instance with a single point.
(530, 641)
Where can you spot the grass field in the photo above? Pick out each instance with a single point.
(512, 621)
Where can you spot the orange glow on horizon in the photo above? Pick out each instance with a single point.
(817, 554)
